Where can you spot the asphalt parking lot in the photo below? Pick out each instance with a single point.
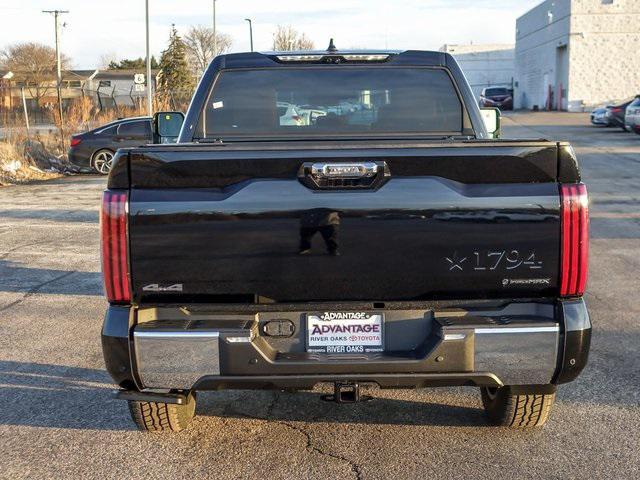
(58, 420)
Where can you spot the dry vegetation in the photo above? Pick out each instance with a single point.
(83, 114)
(40, 156)
(16, 168)
(25, 158)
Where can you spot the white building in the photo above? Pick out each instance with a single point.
(488, 65)
(576, 54)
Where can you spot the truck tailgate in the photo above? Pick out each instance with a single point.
(212, 224)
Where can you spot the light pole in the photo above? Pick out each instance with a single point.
(149, 100)
(56, 13)
(215, 40)
(250, 32)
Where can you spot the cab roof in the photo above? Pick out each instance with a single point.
(396, 57)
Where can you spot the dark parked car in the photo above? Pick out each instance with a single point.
(616, 113)
(499, 97)
(95, 148)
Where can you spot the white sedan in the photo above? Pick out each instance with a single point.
(599, 117)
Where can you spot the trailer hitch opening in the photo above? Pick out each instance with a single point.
(346, 393)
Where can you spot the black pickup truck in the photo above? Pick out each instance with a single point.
(343, 218)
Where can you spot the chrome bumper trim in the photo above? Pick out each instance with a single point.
(518, 350)
(555, 328)
(175, 359)
(173, 334)
(518, 356)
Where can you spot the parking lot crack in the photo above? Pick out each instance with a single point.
(313, 448)
(272, 405)
(6, 253)
(310, 446)
(36, 289)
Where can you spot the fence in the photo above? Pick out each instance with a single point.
(82, 108)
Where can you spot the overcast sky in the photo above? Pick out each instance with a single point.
(98, 27)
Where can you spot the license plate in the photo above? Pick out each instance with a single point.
(345, 332)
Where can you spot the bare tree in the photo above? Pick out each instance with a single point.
(106, 59)
(201, 48)
(287, 39)
(36, 64)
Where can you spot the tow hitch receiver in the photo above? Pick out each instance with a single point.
(346, 393)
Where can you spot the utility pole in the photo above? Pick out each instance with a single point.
(215, 39)
(149, 99)
(56, 14)
(250, 32)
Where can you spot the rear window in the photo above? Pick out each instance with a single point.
(139, 129)
(331, 100)
(496, 91)
(107, 130)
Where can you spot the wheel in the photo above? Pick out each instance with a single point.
(102, 161)
(506, 409)
(160, 417)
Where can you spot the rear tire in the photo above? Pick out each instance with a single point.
(161, 417)
(506, 409)
(102, 161)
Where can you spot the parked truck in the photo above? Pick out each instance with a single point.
(390, 239)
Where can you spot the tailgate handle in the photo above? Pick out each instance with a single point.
(344, 175)
(344, 170)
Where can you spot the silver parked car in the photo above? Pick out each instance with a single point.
(599, 116)
(632, 116)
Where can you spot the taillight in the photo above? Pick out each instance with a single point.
(574, 212)
(113, 237)
(75, 141)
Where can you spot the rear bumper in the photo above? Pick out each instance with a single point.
(632, 124)
(615, 121)
(504, 105)
(516, 344)
(78, 158)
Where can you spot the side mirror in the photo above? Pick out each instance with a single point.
(491, 119)
(166, 126)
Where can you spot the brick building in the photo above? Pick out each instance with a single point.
(576, 54)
